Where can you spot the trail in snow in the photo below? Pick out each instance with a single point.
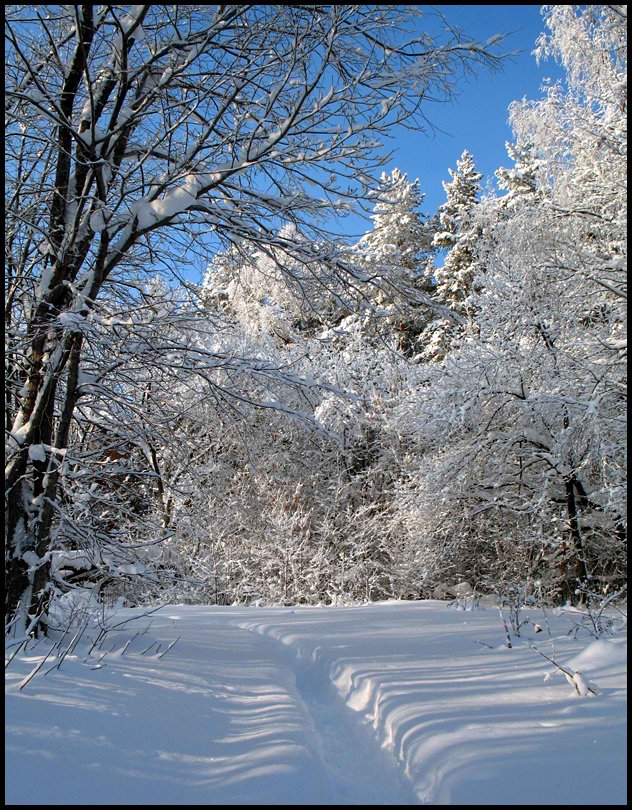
(215, 722)
(386, 704)
(466, 723)
(358, 771)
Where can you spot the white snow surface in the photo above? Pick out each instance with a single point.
(380, 704)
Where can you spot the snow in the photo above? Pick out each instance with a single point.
(97, 221)
(385, 703)
(36, 95)
(37, 452)
(76, 560)
(580, 684)
(175, 202)
(71, 319)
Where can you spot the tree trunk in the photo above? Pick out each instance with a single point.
(573, 522)
(32, 493)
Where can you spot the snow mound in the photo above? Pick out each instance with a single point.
(599, 653)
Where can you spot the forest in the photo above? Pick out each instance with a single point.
(316, 419)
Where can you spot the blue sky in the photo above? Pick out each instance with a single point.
(477, 119)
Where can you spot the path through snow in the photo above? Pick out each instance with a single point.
(391, 703)
(357, 770)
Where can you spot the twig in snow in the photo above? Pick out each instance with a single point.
(64, 636)
(507, 636)
(16, 651)
(135, 618)
(548, 629)
(569, 676)
(100, 640)
(98, 664)
(168, 648)
(37, 668)
(128, 643)
(74, 645)
(102, 634)
(65, 653)
(23, 641)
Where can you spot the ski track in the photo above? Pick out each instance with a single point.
(357, 770)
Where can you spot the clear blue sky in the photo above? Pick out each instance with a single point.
(477, 119)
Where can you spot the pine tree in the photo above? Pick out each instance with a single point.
(521, 182)
(401, 236)
(458, 235)
(396, 254)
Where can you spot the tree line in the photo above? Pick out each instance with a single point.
(320, 419)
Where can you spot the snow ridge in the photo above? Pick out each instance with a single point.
(359, 771)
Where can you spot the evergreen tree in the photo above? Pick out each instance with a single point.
(397, 255)
(458, 234)
(521, 182)
(401, 236)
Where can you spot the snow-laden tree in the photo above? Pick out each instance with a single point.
(521, 182)
(581, 133)
(269, 291)
(521, 453)
(288, 515)
(522, 429)
(136, 138)
(457, 234)
(236, 519)
(272, 292)
(401, 236)
(399, 249)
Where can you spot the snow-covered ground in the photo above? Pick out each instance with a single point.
(387, 703)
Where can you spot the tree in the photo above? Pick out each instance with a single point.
(136, 139)
(400, 248)
(270, 292)
(522, 426)
(458, 234)
(401, 236)
(521, 456)
(521, 182)
(282, 504)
